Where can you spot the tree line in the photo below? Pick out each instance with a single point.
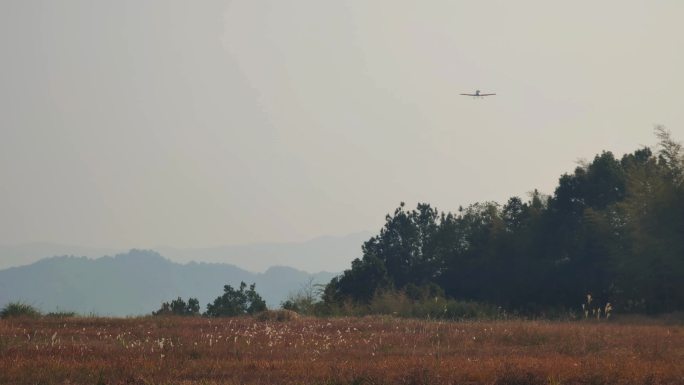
(613, 229)
(233, 302)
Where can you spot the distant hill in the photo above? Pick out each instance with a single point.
(327, 253)
(27, 253)
(136, 283)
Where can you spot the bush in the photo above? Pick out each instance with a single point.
(281, 315)
(306, 300)
(19, 309)
(455, 309)
(61, 314)
(179, 307)
(400, 304)
(236, 302)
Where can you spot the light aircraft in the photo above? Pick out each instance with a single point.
(477, 94)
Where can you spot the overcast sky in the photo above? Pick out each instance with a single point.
(199, 123)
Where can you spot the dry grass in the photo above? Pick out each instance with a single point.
(336, 351)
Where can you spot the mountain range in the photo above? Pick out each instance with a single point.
(137, 282)
(326, 253)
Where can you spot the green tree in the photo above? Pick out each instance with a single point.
(236, 302)
(613, 228)
(360, 283)
(651, 225)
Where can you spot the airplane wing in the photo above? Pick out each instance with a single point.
(486, 94)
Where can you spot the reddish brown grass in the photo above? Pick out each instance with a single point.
(336, 351)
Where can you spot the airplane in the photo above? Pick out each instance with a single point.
(477, 94)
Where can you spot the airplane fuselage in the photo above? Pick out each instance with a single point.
(477, 94)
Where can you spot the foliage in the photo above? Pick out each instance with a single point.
(236, 302)
(179, 307)
(401, 305)
(19, 309)
(614, 228)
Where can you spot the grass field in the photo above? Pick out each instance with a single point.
(336, 351)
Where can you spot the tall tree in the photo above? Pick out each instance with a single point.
(613, 228)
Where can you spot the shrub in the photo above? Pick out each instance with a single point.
(306, 300)
(61, 314)
(280, 315)
(400, 304)
(19, 309)
(179, 307)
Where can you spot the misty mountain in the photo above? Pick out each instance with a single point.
(136, 283)
(327, 253)
(27, 253)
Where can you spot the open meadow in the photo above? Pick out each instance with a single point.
(370, 350)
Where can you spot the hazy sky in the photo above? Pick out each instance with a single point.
(198, 123)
